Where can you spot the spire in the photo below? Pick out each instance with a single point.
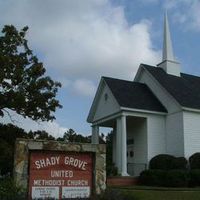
(167, 43)
(168, 64)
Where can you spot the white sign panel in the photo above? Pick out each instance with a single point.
(45, 192)
(75, 192)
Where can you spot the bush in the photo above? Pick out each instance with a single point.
(167, 162)
(194, 177)
(9, 190)
(177, 178)
(170, 171)
(111, 170)
(194, 161)
(180, 163)
(162, 161)
(152, 177)
(165, 178)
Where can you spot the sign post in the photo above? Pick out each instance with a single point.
(59, 175)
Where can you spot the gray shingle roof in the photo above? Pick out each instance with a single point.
(134, 95)
(185, 89)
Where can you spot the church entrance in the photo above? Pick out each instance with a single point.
(136, 145)
(129, 142)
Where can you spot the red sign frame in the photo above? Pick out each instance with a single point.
(54, 174)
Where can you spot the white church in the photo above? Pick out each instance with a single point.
(157, 113)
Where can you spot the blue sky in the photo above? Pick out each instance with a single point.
(81, 40)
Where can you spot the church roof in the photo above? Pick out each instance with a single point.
(134, 95)
(185, 89)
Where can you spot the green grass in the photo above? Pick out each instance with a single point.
(139, 187)
(163, 195)
(157, 193)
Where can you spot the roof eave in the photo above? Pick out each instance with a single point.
(92, 108)
(190, 109)
(143, 111)
(139, 72)
(164, 89)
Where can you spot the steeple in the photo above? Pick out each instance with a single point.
(167, 43)
(169, 64)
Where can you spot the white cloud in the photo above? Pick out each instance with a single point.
(51, 127)
(185, 12)
(83, 39)
(170, 4)
(84, 87)
(80, 41)
(194, 14)
(27, 124)
(65, 82)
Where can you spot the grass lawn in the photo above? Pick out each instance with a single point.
(145, 193)
(163, 195)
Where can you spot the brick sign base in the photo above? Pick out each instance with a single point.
(50, 169)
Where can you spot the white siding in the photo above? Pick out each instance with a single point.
(174, 119)
(191, 132)
(156, 135)
(175, 140)
(107, 107)
(169, 103)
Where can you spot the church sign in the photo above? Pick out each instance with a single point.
(60, 175)
(56, 170)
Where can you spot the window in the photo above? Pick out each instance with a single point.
(130, 141)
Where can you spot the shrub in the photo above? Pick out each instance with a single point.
(167, 162)
(167, 178)
(194, 177)
(162, 161)
(111, 170)
(177, 178)
(9, 190)
(194, 161)
(179, 163)
(152, 177)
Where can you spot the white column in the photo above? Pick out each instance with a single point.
(95, 134)
(124, 146)
(118, 145)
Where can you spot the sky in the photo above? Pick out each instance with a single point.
(81, 40)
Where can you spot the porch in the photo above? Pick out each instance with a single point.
(129, 142)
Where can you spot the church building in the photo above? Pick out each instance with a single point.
(157, 113)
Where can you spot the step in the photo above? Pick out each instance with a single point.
(122, 181)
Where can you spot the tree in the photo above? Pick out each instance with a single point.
(42, 135)
(111, 169)
(72, 136)
(24, 88)
(8, 135)
(6, 157)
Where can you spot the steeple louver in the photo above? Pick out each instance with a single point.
(169, 64)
